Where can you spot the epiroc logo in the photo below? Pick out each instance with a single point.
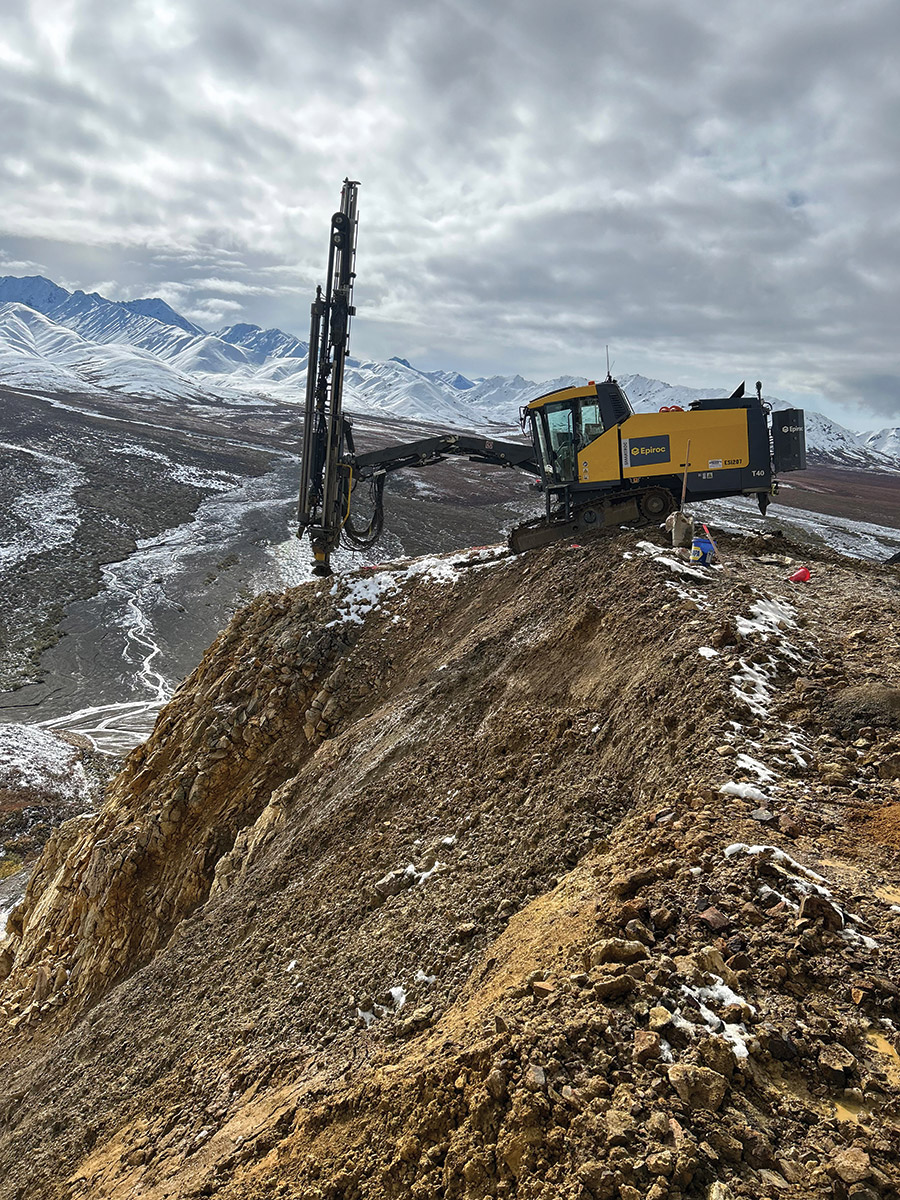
(645, 451)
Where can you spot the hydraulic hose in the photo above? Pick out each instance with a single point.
(362, 539)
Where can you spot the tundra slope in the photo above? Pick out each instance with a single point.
(566, 875)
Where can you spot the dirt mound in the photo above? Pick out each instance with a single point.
(855, 708)
(472, 877)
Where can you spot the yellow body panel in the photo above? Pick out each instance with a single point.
(600, 459)
(717, 437)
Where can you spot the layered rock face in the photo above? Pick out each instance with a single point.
(572, 875)
(109, 891)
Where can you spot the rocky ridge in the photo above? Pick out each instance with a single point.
(570, 875)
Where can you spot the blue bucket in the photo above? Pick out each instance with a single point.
(701, 549)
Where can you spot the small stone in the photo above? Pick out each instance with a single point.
(772, 1178)
(617, 950)
(392, 883)
(535, 1077)
(627, 885)
(662, 918)
(620, 1127)
(719, 1191)
(662, 1163)
(788, 826)
(647, 1045)
(763, 816)
(713, 918)
(658, 1125)
(835, 1062)
(639, 932)
(718, 1055)
(496, 1084)
(698, 1087)
(499, 1024)
(852, 1165)
(727, 1147)
(659, 1018)
(542, 990)
(610, 987)
(776, 1043)
(793, 1172)
(739, 962)
(596, 1177)
(817, 908)
(465, 930)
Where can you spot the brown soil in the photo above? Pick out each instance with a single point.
(885, 826)
(501, 793)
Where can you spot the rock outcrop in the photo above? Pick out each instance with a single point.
(535, 877)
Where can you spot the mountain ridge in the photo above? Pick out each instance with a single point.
(144, 346)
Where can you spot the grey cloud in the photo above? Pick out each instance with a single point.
(710, 187)
(877, 393)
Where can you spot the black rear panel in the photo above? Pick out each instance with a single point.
(788, 440)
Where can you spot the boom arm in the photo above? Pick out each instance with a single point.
(434, 449)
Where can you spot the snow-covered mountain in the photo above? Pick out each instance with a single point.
(36, 352)
(886, 441)
(261, 344)
(78, 341)
(149, 325)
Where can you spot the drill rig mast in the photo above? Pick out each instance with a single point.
(324, 476)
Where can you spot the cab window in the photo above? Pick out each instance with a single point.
(560, 429)
(591, 422)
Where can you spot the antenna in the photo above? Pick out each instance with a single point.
(608, 372)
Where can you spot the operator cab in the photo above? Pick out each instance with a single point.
(565, 421)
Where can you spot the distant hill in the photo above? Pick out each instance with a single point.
(79, 341)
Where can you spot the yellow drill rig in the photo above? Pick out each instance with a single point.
(599, 464)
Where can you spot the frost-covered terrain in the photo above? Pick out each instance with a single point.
(35, 761)
(52, 339)
(130, 534)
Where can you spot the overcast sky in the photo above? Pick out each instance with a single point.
(710, 187)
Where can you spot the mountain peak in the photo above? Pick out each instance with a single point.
(34, 290)
(160, 311)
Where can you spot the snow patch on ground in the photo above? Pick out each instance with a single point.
(768, 616)
(34, 760)
(745, 791)
(735, 1034)
(46, 516)
(673, 564)
(753, 765)
(753, 684)
(364, 592)
(777, 855)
